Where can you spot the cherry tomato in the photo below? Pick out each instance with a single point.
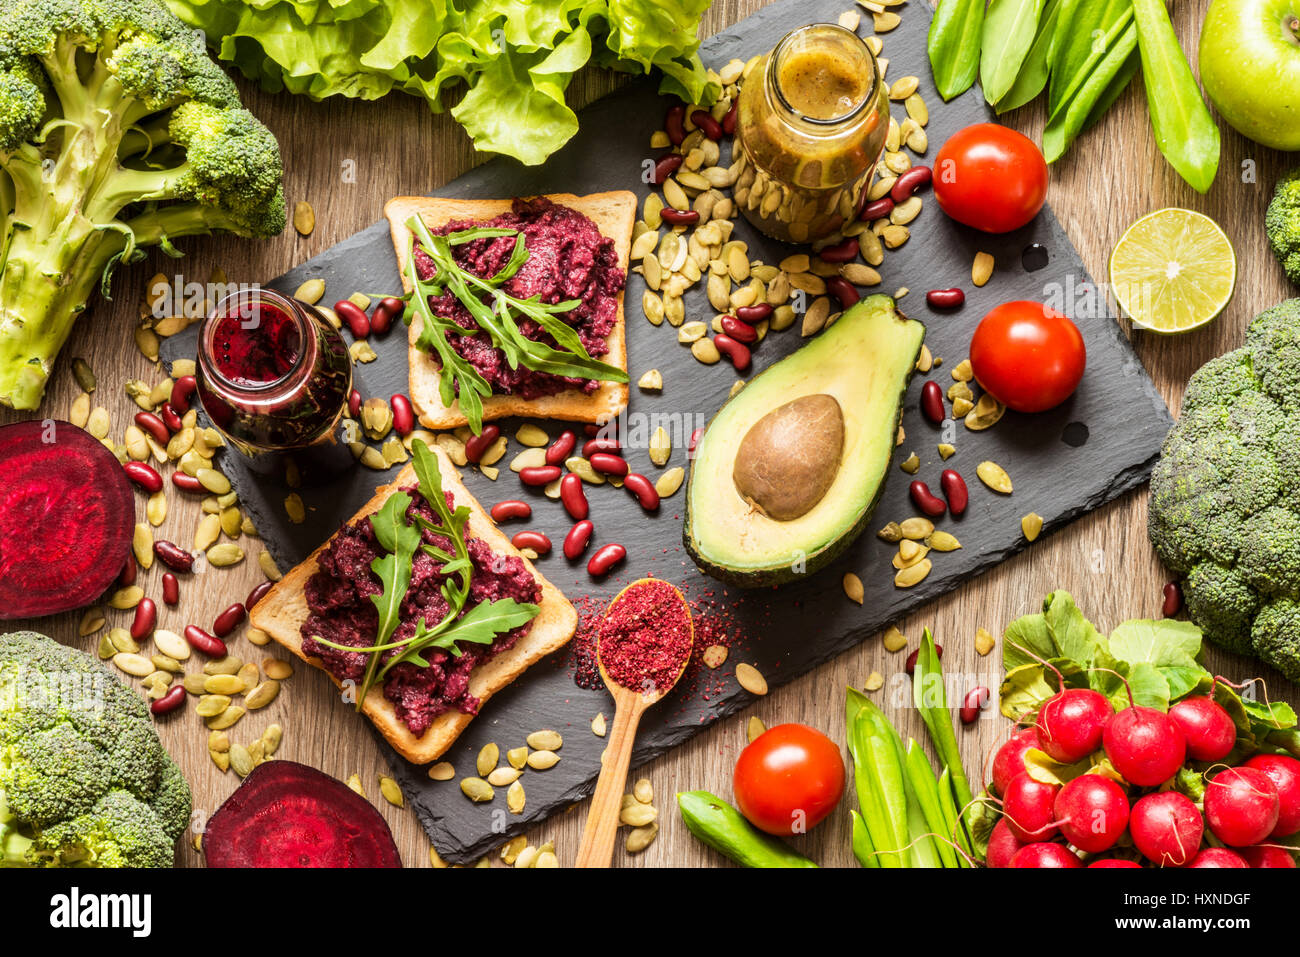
(990, 177)
(788, 779)
(1027, 356)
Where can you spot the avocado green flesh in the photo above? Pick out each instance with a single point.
(865, 361)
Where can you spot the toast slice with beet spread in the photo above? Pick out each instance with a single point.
(614, 214)
(283, 610)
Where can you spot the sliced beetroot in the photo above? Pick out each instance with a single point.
(290, 815)
(66, 518)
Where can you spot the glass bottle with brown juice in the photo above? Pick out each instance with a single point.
(811, 124)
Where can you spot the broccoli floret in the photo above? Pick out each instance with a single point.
(1220, 510)
(116, 132)
(83, 777)
(1282, 223)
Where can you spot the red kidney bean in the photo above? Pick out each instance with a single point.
(171, 589)
(229, 620)
(170, 418)
(154, 426)
(932, 402)
(204, 643)
(357, 320)
(754, 314)
(705, 121)
(696, 435)
(606, 557)
(1173, 602)
(954, 490)
(561, 448)
(540, 474)
(537, 541)
(737, 352)
(592, 446)
(877, 210)
(183, 390)
(916, 178)
(573, 497)
(945, 298)
(679, 217)
(144, 475)
(403, 415)
(643, 489)
(911, 659)
(843, 252)
(173, 556)
(575, 543)
(257, 594)
(354, 403)
(511, 509)
(477, 445)
(675, 124)
(185, 482)
(925, 500)
(843, 290)
(129, 572)
(729, 119)
(389, 308)
(667, 164)
(173, 699)
(975, 702)
(738, 330)
(145, 620)
(606, 463)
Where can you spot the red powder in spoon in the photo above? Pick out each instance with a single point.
(646, 637)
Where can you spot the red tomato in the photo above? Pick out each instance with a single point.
(788, 779)
(1029, 357)
(990, 177)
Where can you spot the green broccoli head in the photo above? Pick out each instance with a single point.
(1282, 224)
(1221, 512)
(83, 777)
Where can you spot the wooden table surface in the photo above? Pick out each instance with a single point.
(346, 158)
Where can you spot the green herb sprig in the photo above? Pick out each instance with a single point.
(496, 312)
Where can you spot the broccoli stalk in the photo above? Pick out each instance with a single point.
(116, 132)
(1282, 224)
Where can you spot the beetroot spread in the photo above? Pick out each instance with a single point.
(568, 259)
(338, 597)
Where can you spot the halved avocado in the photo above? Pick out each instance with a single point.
(789, 470)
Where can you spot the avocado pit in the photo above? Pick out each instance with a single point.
(789, 458)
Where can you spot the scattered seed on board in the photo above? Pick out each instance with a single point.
(391, 791)
(487, 759)
(637, 814)
(984, 641)
(875, 681)
(354, 782)
(477, 790)
(639, 838)
(543, 760)
(751, 679)
(515, 798)
(715, 656)
(643, 791)
(994, 476)
(545, 741)
(598, 725)
(442, 771)
(982, 269)
(853, 587)
(754, 728)
(304, 218)
(1031, 525)
(893, 639)
(503, 777)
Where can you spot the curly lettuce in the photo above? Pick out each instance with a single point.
(512, 58)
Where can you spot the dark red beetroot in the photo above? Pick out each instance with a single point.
(1285, 775)
(1070, 724)
(1002, 845)
(1010, 759)
(1208, 728)
(66, 517)
(289, 815)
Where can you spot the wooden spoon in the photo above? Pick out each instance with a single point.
(597, 848)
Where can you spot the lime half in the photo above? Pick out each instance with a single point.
(1173, 271)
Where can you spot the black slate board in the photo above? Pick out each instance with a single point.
(1065, 463)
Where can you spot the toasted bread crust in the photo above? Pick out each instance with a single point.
(614, 214)
(283, 610)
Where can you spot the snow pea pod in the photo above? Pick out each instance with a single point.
(721, 826)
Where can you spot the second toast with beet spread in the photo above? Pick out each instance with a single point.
(328, 603)
(579, 249)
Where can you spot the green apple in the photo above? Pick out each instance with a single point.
(1250, 65)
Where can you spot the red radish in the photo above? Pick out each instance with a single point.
(1145, 746)
(1114, 862)
(1268, 855)
(1167, 828)
(1045, 855)
(1241, 806)
(66, 517)
(1027, 807)
(1092, 811)
(290, 815)
(1218, 857)
(1002, 845)
(1208, 728)
(1070, 724)
(1010, 759)
(1285, 775)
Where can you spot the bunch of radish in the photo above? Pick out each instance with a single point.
(1097, 820)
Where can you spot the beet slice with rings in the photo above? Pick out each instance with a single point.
(287, 814)
(66, 518)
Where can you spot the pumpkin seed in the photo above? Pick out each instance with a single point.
(213, 481)
(304, 217)
(225, 555)
(814, 320)
(105, 649)
(167, 663)
(637, 814)
(222, 760)
(477, 790)
(912, 574)
(515, 797)
(983, 414)
(982, 270)
(639, 838)
(218, 741)
(527, 459)
(1031, 525)
(994, 476)
(391, 792)
(543, 760)
(546, 740)
(962, 371)
(903, 87)
(961, 407)
(121, 639)
(517, 757)
(691, 332)
(598, 725)
(79, 415)
(652, 381)
(984, 641)
(91, 621)
(754, 728)
(271, 739)
(125, 598)
(354, 782)
(228, 665)
(751, 679)
(503, 777)
(893, 639)
(532, 436)
(277, 668)
(211, 705)
(133, 664)
(193, 684)
(670, 481)
(715, 656)
(661, 446)
(83, 374)
(442, 771)
(946, 451)
(240, 760)
(487, 759)
(942, 541)
(894, 235)
(853, 587)
(644, 791)
(223, 685)
(705, 351)
(913, 552)
(262, 694)
(875, 681)
(268, 566)
(310, 291)
(917, 528)
(257, 636)
(911, 464)
(892, 532)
